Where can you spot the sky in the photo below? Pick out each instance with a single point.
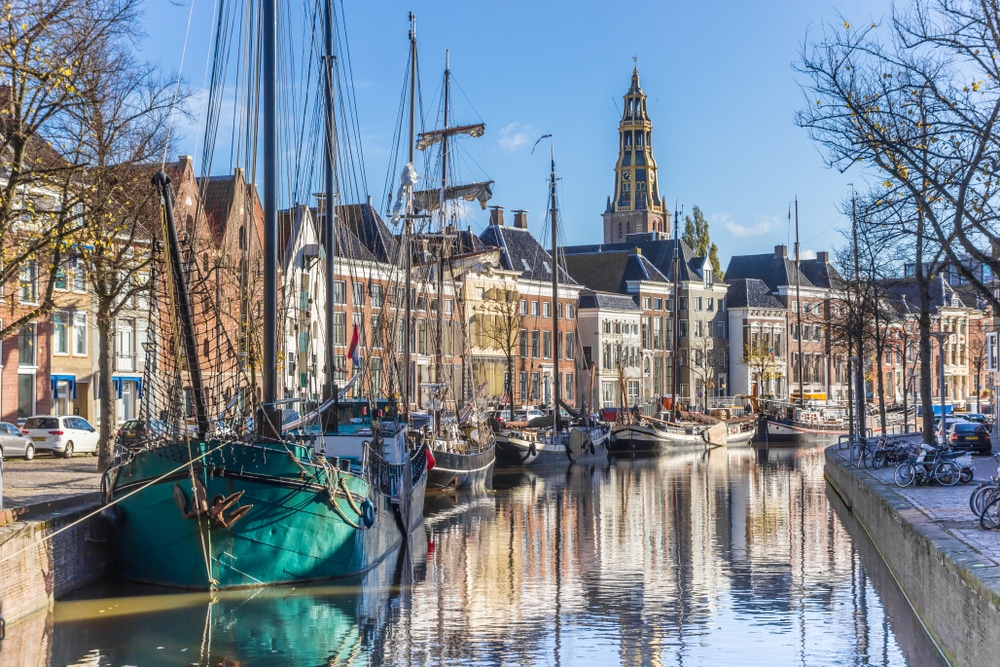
(719, 76)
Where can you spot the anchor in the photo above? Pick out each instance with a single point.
(217, 514)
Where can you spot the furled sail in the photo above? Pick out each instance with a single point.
(430, 200)
(427, 139)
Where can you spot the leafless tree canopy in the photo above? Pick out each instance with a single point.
(916, 98)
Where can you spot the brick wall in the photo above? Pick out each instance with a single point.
(34, 572)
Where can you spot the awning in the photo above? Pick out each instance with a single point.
(117, 380)
(69, 379)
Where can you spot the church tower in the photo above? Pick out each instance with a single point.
(635, 207)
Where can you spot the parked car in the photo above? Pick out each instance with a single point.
(977, 417)
(970, 436)
(502, 416)
(949, 421)
(136, 431)
(15, 443)
(61, 434)
(528, 415)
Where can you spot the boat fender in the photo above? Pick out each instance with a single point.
(368, 512)
(430, 459)
(532, 450)
(111, 517)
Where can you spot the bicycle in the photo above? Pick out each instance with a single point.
(860, 451)
(983, 494)
(889, 454)
(939, 466)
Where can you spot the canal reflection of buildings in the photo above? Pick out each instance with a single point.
(648, 551)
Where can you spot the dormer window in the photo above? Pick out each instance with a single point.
(709, 277)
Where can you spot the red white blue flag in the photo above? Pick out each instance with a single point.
(353, 352)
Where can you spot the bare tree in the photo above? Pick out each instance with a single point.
(499, 327)
(759, 358)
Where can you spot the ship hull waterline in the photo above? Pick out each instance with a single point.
(291, 533)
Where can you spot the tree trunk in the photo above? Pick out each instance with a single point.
(105, 442)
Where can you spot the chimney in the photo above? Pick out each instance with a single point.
(780, 251)
(637, 250)
(185, 161)
(496, 215)
(521, 219)
(822, 257)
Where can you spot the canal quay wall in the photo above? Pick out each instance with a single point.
(946, 565)
(49, 550)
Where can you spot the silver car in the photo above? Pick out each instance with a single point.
(15, 443)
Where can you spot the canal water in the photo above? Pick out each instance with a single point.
(727, 557)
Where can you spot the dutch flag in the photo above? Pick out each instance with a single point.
(353, 352)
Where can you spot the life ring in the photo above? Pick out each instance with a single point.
(368, 512)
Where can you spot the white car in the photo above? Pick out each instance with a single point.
(64, 435)
(14, 443)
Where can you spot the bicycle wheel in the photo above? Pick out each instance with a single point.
(905, 472)
(879, 459)
(990, 518)
(947, 472)
(981, 496)
(859, 454)
(967, 475)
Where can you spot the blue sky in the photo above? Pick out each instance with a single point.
(718, 76)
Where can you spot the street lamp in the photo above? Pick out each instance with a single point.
(941, 337)
(913, 387)
(858, 422)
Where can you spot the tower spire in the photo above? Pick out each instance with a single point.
(636, 206)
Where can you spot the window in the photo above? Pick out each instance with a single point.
(721, 329)
(377, 299)
(534, 309)
(80, 277)
(534, 344)
(547, 344)
(26, 346)
(806, 307)
(27, 289)
(607, 356)
(646, 303)
(340, 292)
(449, 306)
(61, 283)
(568, 351)
(710, 304)
(698, 332)
(607, 326)
(60, 332)
(25, 394)
(547, 310)
(683, 303)
(534, 386)
(523, 380)
(570, 311)
(697, 303)
(523, 336)
(524, 307)
(339, 333)
(125, 342)
(79, 333)
(559, 311)
(816, 333)
(658, 304)
(569, 386)
(795, 306)
(359, 294)
(682, 329)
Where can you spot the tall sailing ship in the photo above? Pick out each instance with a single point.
(256, 495)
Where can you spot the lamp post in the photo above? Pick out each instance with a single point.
(941, 337)
(913, 387)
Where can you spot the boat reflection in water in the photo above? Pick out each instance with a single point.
(341, 623)
(700, 558)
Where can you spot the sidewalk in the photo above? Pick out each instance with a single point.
(49, 481)
(945, 506)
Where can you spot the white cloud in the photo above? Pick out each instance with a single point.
(764, 225)
(514, 136)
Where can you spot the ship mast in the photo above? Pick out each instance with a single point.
(677, 300)
(555, 294)
(408, 257)
(798, 302)
(329, 223)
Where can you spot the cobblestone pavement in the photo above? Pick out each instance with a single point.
(46, 478)
(947, 507)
